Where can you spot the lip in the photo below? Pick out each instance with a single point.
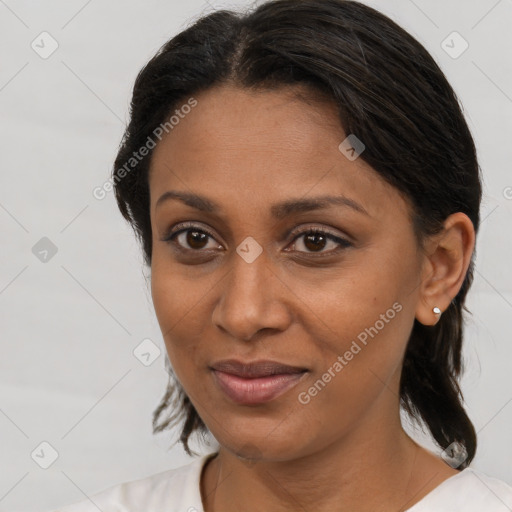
(255, 382)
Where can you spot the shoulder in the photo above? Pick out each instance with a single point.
(171, 490)
(471, 490)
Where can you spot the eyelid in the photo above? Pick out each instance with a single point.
(295, 232)
(185, 226)
(301, 230)
(342, 241)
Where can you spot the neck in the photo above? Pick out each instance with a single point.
(374, 467)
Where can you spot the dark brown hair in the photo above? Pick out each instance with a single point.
(390, 93)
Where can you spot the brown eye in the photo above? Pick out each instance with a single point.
(191, 238)
(315, 240)
(196, 239)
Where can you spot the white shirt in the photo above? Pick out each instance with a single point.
(178, 490)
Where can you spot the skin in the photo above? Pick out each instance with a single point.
(346, 449)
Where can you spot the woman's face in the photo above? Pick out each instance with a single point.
(246, 280)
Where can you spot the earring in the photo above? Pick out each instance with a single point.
(436, 310)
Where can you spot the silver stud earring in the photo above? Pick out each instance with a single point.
(436, 310)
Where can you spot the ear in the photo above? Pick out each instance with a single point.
(447, 258)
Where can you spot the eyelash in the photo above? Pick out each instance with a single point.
(343, 243)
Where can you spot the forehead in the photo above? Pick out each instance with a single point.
(231, 119)
(264, 145)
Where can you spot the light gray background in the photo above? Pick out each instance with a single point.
(69, 326)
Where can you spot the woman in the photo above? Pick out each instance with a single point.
(306, 193)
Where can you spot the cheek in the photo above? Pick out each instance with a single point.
(360, 323)
(354, 304)
(357, 371)
(177, 305)
(183, 301)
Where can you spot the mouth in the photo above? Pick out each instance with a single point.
(255, 382)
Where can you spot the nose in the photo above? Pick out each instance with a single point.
(252, 298)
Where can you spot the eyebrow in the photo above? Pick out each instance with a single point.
(279, 210)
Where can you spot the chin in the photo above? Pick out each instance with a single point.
(253, 440)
